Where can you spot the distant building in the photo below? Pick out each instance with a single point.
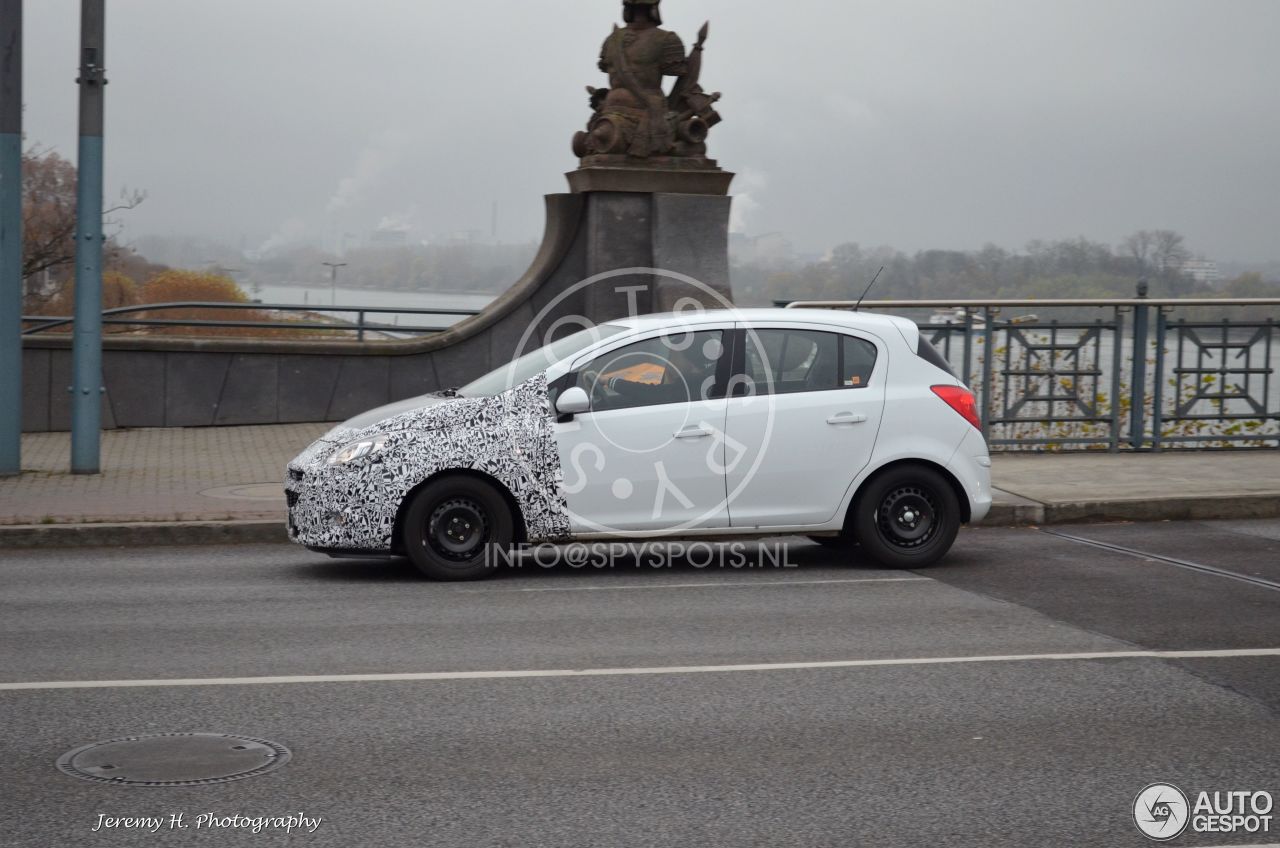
(1204, 271)
(457, 237)
(388, 237)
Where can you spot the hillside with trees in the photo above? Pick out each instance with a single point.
(1070, 268)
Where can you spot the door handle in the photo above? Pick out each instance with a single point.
(847, 418)
(693, 432)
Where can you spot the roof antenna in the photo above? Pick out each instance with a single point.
(867, 289)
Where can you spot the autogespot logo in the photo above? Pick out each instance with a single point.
(1160, 811)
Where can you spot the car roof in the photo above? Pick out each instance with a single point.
(837, 318)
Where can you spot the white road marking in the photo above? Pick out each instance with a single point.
(716, 585)
(622, 672)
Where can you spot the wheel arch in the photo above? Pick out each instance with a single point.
(517, 515)
(961, 495)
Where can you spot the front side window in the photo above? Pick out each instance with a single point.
(674, 368)
(782, 361)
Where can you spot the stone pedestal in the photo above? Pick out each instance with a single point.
(671, 220)
(697, 176)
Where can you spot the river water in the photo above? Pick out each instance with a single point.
(320, 296)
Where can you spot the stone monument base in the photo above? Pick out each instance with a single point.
(681, 233)
(663, 175)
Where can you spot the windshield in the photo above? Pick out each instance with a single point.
(514, 373)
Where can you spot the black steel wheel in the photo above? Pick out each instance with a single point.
(457, 528)
(907, 517)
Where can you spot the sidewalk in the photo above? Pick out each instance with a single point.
(161, 474)
(225, 483)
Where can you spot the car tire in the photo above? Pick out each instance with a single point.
(457, 528)
(907, 517)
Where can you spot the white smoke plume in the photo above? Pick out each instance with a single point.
(290, 232)
(378, 157)
(747, 188)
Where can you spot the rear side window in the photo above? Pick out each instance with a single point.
(929, 353)
(786, 361)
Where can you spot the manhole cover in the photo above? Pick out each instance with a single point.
(174, 759)
(247, 492)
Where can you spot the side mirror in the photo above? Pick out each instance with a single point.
(572, 401)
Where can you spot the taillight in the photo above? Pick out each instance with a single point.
(962, 401)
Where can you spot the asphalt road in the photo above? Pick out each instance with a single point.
(819, 704)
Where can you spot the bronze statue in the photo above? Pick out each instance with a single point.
(634, 121)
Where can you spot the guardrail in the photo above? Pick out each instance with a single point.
(1114, 374)
(43, 323)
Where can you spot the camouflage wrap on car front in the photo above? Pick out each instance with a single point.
(509, 437)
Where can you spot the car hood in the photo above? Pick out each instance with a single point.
(425, 412)
(411, 408)
(391, 410)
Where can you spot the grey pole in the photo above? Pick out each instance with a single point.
(86, 351)
(333, 280)
(10, 237)
(1138, 379)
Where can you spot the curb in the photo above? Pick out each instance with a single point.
(1166, 509)
(1201, 508)
(140, 533)
(1009, 515)
(1019, 514)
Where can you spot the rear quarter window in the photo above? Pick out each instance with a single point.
(929, 353)
(857, 361)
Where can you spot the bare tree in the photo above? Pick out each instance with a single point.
(1168, 251)
(1139, 246)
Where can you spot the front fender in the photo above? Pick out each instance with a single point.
(508, 437)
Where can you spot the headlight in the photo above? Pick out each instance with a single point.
(352, 451)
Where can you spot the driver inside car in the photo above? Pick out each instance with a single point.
(682, 374)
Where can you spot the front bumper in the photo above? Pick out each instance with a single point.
(339, 507)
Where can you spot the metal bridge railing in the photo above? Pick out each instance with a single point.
(34, 324)
(1113, 374)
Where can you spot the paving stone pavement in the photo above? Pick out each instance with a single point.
(157, 474)
(235, 473)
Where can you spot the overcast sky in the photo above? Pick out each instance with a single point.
(914, 124)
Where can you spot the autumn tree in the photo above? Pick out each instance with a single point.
(174, 286)
(117, 290)
(48, 220)
(49, 226)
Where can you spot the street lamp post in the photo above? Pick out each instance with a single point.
(333, 280)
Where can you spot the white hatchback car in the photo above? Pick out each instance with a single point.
(845, 427)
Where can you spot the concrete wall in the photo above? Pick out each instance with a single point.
(173, 382)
